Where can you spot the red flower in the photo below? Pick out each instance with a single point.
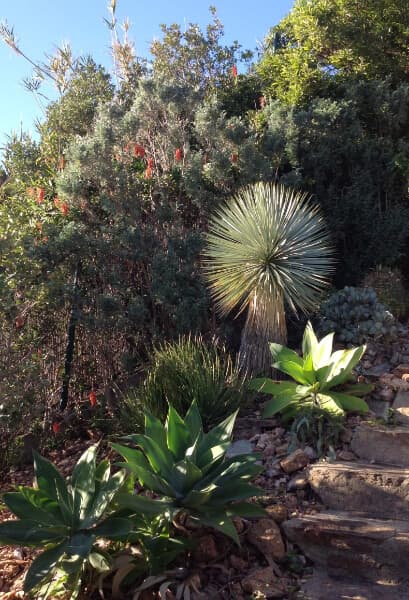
(150, 163)
(93, 398)
(64, 209)
(57, 202)
(56, 427)
(234, 158)
(19, 322)
(148, 172)
(178, 154)
(139, 151)
(40, 195)
(262, 101)
(234, 71)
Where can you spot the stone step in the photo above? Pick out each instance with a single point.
(346, 545)
(379, 490)
(381, 444)
(322, 587)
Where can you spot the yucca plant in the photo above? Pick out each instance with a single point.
(65, 517)
(181, 372)
(322, 379)
(267, 248)
(188, 468)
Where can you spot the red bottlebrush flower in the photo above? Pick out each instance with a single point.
(31, 192)
(64, 209)
(56, 427)
(19, 322)
(57, 202)
(40, 195)
(61, 163)
(178, 154)
(150, 163)
(234, 71)
(92, 398)
(148, 172)
(139, 151)
(234, 157)
(262, 101)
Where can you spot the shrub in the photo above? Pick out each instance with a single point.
(321, 379)
(389, 287)
(189, 469)
(182, 372)
(356, 316)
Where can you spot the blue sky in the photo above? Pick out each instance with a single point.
(41, 25)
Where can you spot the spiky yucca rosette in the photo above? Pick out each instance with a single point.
(267, 247)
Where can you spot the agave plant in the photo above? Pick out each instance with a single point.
(189, 469)
(322, 378)
(267, 248)
(65, 517)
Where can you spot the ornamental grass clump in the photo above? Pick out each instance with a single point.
(322, 379)
(181, 372)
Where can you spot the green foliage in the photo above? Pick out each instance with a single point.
(189, 469)
(316, 428)
(181, 372)
(356, 316)
(322, 379)
(66, 518)
(267, 247)
(349, 152)
(390, 289)
(322, 42)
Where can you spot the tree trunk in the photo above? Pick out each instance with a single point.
(265, 323)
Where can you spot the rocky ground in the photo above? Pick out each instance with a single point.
(268, 564)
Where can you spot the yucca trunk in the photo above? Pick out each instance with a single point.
(265, 323)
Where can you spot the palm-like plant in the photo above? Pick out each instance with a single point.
(268, 247)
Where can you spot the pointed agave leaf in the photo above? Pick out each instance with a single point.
(196, 498)
(159, 457)
(103, 471)
(80, 543)
(83, 482)
(321, 354)
(268, 386)
(185, 475)
(53, 484)
(343, 363)
(42, 512)
(142, 504)
(358, 389)
(329, 403)
(309, 341)
(295, 371)
(234, 491)
(134, 458)
(29, 533)
(43, 565)
(222, 522)
(279, 403)
(103, 499)
(153, 481)
(211, 457)
(155, 429)
(114, 528)
(247, 510)
(193, 421)
(350, 403)
(177, 435)
(283, 354)
(218, 435)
